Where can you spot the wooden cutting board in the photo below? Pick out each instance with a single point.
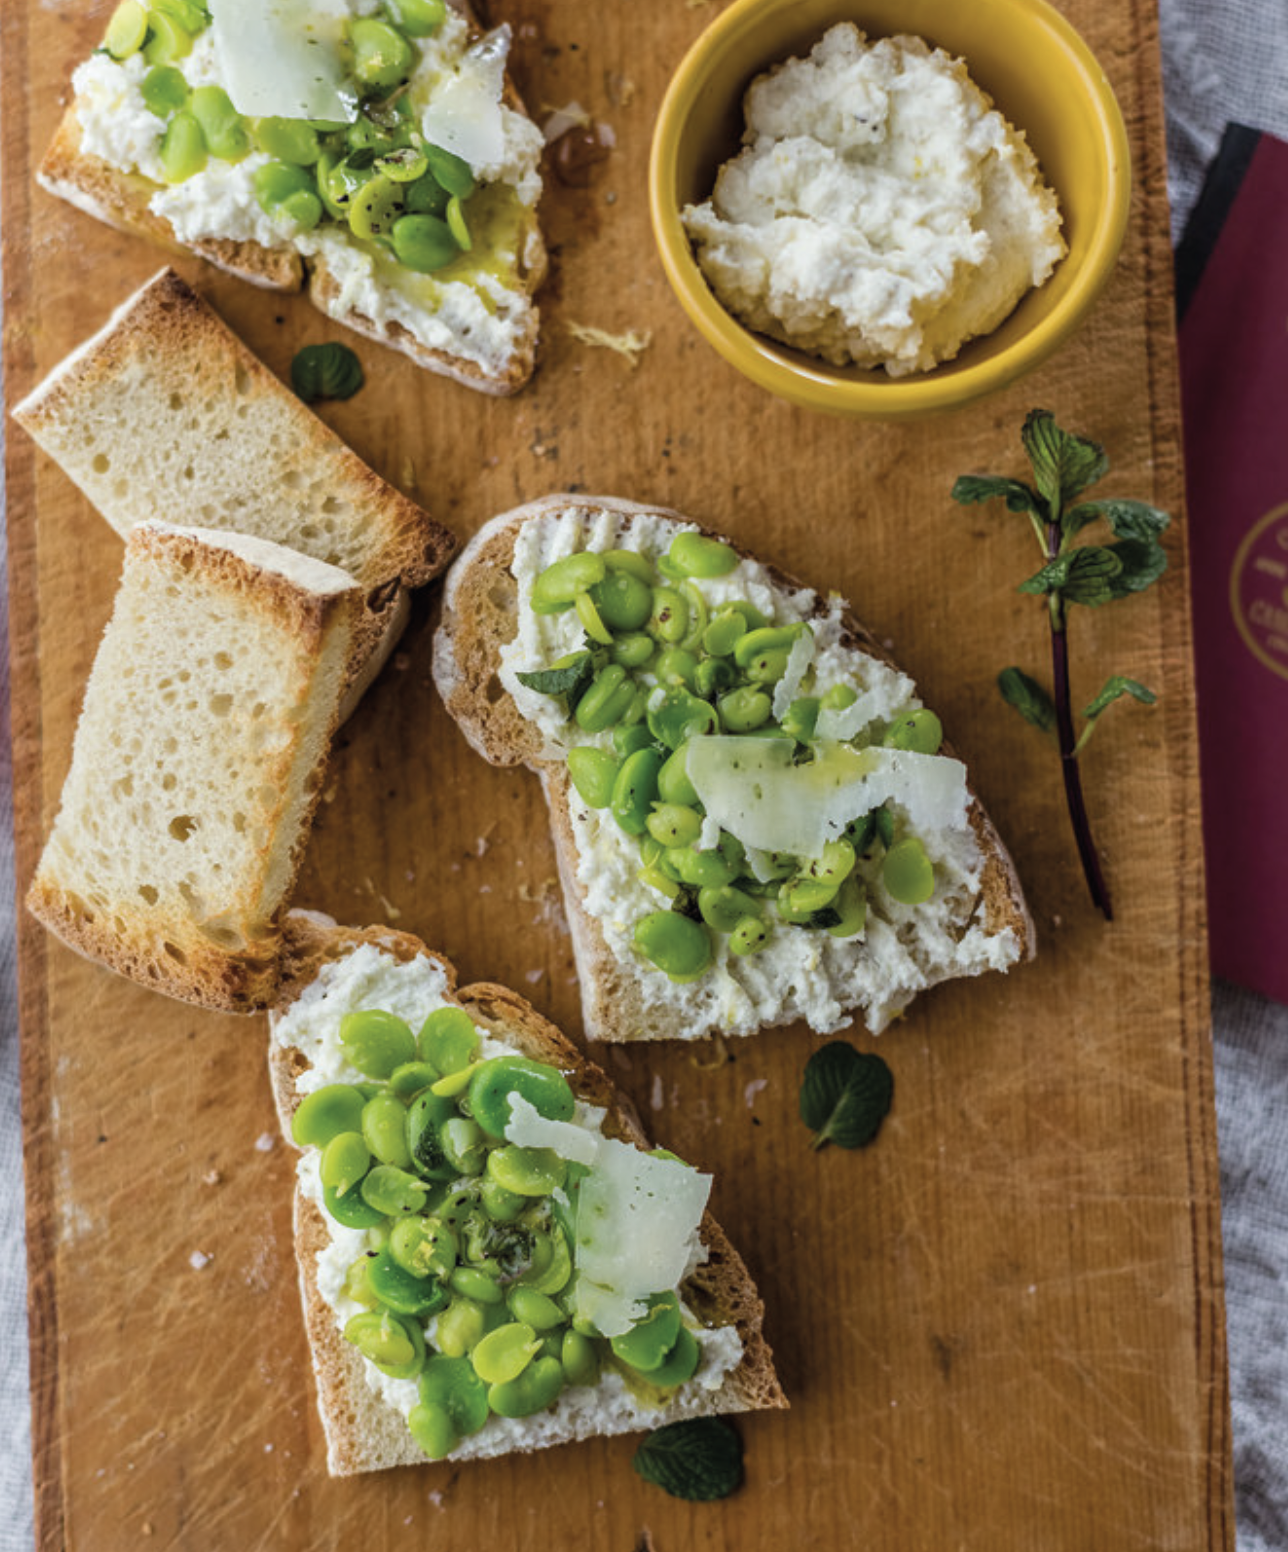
(1001, 1326)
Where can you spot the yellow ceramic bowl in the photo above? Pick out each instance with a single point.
(1042, 77)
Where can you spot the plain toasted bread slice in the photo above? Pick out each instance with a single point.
(623, 996)
(123, 196)
(165, 411)
(363, 1431)
(197, 763)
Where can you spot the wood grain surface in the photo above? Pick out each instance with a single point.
(1001, 1327)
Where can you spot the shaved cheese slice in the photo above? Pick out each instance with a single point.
(788, 687)
(281, 58)
(530, 1129)
(637, 1226)
(464, 113)
(842, 723)
(751, 786)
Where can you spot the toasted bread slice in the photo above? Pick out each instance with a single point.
(364, 1430)
(197, 763)
(474, 321)
(976, 920)
(166, 411)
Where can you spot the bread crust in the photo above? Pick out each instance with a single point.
(231, 964)
(122, 200)
(480, 616)
(363, 1432)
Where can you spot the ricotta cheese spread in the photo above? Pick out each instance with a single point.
(797, 974)
(881, 212)
(472, 309)
(369, 978)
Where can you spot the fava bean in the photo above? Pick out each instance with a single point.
(907, 872)
(593, 772)
(544, 1087)
(801, 717)
(410, 1078)
(345, 1160)
(418, 18)
(476, 1285)
(650, 1339)
(745, 710)
(675, 715)
(167, 40)
(453, 1384)
(501, 1205)
(851, 906)
(676, 944)
(526, 1171)
(725, 630)
(534, 1309)
(505, 1353)
(287, 140)
(532, 1391)
(126, 30)
(220, 122)
(448, 1040)
(672, 824)
(591, 623)
(461, 1140)
(382, 57)
(422, 1120)
(398, 1290)
(713, 678)
(579, 1359)
(323, 1114)
(432, 1430)
(606, 701)
(459, 1327)
(624, 600)
(680, 1364)
(673, 784)
(748, 936)
(724, 907)
(635, 789)
(701, 869)
(697, 555)
(920, 731)
(838, 697)
(628, 737)
(633, 650)
(676, 665)
(351, 1209)
(395, 1345)
(669, 619)
(423, 1247)
(556, 588)
(392, 1191)
(451, 171)
(183, 148)
(164, 90)
(422, 241)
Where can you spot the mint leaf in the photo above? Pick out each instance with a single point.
(1081, 576)
(330, 371)
(1132, 519)
(1116, 686)
(699, 1460)
(570, 678)
(1028, 697)
(845, 1095)
(1142, 562)
(1063, 464)
(971, 488)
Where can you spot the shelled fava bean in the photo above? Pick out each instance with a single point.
(377, 176)
(662, 666)
(466, 1285)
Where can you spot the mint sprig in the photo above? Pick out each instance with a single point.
(1064, 465)
(699, 1460)
(845, 1095)
(329, 371)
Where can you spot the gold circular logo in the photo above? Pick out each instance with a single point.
(1259, 590)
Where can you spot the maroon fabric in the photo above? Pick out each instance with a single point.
(1234, 377)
